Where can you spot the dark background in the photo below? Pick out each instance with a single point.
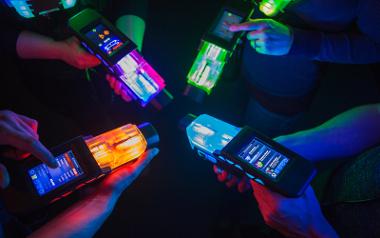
(178, 194)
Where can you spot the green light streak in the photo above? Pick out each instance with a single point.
(207, 67)
(273, 7)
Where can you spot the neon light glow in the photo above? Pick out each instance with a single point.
(210, 134)
(25, 8)
(68, 3)
(21, 7)
(273, 7)
(117, 147)
(142, 80)
(207, 67)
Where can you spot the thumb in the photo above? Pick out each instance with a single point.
(4, 177)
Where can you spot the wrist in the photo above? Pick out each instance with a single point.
(322, 229)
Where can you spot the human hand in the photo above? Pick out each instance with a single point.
(293, 217)
(230, 180)
(20, 133)
(86, 216)
(119, 88)
(119, 180)
(73, 54)
(267, 36)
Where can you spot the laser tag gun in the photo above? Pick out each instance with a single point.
(121, 57)
(34, 8)
(80, 162)
(272, 7)
(216, 48)
(244, 152)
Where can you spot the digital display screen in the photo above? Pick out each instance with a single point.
(46, 179)
(264, 158)
(103, 37)
(221, 29)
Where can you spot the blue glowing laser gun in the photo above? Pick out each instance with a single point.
(245, 152)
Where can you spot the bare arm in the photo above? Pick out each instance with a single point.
(344, 135)
(86, 217)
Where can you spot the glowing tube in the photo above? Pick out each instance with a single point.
(117, 147)
(207, 67)
(209, 134)
(142, 80)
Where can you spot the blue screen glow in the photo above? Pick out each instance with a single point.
(46, 179)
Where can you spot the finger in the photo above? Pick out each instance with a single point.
(258, 24)
(15, 124)
(261, 50)
(91, 61)
(261, 191)
(243, 186)
(257, 35)
(117, 88)
(4, 177)
(27, 129)
(30, 122)
(27, 143)
(232, 182)
(125, 96)
(217, 170)
(109, 78)
(260, 43)
(223, 176)
(112, 82)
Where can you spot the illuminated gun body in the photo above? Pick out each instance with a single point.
(246, 153)
(117, 147)
(208, 66)
(33, 8)
(142, 80)
(217, 46)
(120, 55)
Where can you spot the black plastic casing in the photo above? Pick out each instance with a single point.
(86, 20)
(243, 11)
(22, 187)
(293, 179)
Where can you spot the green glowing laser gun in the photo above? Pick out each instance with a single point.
(217, 46)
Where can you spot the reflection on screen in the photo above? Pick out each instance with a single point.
(46, 179)
(221, 30)
(105, 39)
(264, 158)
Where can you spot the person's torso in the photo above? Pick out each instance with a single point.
(329, 15)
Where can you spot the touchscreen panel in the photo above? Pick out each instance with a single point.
(264, 158)
(46, 179)
(221, 29)
(105, 39)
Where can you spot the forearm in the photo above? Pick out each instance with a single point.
(349, 48)
(344, 135)
(133, 27)
(322, 229)
(31, 45)
(81, 220)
